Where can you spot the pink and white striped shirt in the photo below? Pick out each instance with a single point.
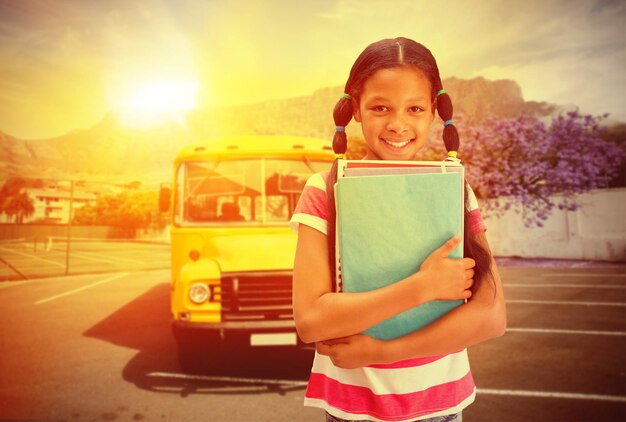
(409, 390)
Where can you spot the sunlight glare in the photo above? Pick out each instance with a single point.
(153, 102)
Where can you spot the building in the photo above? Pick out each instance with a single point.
(52, 204)
(52, 201)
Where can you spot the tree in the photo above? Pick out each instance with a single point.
(528, 165)
(129, 210)
(533, 167)
(19, 205)
(14, 202)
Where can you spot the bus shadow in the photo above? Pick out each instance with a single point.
(144, 324)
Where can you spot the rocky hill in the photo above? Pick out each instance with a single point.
(111, 152)
(312, 115)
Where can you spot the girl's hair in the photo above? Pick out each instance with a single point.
(385, 54)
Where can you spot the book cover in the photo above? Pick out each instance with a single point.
(387, 225)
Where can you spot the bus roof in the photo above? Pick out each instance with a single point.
(257, 145)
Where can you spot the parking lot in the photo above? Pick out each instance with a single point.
(99, 347)
(55, 256)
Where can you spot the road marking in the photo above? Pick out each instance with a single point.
(88, 286)
(523, 393)
(52, 279)
(226, 379)
(586, 286)
(556, 331)
(560, 302)
(13, 283)
(584, 275)
(552, 395)
(114, 260)
(9, 241)
(33, 256)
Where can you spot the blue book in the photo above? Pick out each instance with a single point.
(387, 225)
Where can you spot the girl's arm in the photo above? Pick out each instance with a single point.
(321, 314)
(483, 317)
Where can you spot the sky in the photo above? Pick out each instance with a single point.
(65, 64)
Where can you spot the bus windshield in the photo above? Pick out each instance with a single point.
(240, 192)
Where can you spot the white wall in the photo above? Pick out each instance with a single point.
(597, 231)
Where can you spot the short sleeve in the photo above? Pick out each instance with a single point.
(475, 218)
(312, 209)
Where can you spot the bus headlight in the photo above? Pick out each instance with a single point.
(199, 293)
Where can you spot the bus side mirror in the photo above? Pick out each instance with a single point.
(164, 198)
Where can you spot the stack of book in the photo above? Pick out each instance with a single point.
(390, 216)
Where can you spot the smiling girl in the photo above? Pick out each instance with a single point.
(393, 90)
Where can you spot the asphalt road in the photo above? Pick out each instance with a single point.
(99, 348)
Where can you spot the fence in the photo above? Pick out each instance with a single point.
(33, 253)
(42, 231)
(596, 231)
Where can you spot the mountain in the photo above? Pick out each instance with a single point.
(110, 152)
(312, 115)
(106, 152)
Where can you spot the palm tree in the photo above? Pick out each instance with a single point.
(19, 205)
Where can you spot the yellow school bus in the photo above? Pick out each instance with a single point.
(232, 250)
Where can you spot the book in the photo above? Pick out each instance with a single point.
(390, 217)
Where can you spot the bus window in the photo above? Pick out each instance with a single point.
(284, 182)
(216, 191)
(233, 191)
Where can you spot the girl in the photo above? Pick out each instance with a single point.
(393, 90)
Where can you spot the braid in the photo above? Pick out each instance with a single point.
(445, 109)
(342, 114)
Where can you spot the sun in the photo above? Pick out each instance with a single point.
(152, 102)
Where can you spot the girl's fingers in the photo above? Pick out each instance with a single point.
(468, 263)
(447, 248)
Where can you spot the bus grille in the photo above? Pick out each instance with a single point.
(260, 296)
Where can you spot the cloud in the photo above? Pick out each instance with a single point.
(573, 58)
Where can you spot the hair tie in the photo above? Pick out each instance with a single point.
(340, 129)
(340, 156)
(441, 91)
(452, 154)
(448, 122)
(348, 96)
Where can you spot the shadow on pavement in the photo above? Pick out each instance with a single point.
(144, 324)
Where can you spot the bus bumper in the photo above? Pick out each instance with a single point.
(256, 333)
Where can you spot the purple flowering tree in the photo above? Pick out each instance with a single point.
(532, 167)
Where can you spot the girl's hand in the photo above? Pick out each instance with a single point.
(448, 278)
(353, 351)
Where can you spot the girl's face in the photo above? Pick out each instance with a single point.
(395, 113)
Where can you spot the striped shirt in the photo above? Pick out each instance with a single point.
(409, 390)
